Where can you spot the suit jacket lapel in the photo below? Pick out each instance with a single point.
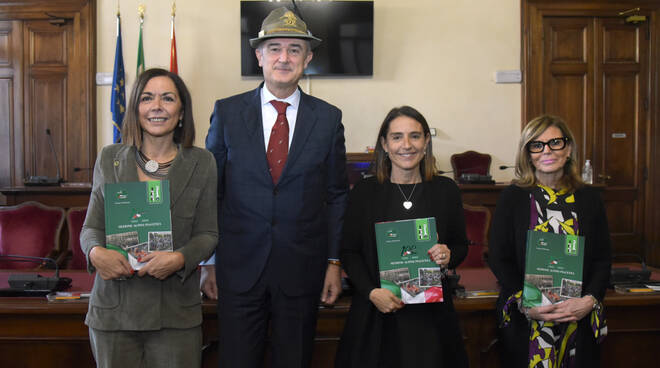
(180, 174)
(251, 115)
(305, 122)
(253, 122)
(124, 164)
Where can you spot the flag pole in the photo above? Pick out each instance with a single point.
(174, 67)
(140, 57)
(118, 15)
(118, 97)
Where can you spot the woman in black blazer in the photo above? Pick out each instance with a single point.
(380, 331)
(548, 195)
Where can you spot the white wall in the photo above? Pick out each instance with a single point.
(435, 55)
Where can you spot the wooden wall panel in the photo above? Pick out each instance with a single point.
(5, 44)
(46, 97)
(569, 92)
(49, 113)
(567, 89)
(568, 42)
(620, 128)
(10, 99)
(48, 47)
(621, 36)
(6, 108)
(6, 116)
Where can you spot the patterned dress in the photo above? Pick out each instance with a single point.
(551, 344)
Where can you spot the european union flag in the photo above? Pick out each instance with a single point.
(118, 100)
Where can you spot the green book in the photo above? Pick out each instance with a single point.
(553, 268)
(137, 219)
(404, 264)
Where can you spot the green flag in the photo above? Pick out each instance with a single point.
(140, 53)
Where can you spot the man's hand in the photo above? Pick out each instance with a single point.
(332, 284)
(207, 282)
(110, 264)
(161, 264)
(385, 301)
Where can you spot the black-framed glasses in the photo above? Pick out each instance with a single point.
(555, 144)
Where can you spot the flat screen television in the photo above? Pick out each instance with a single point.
(346, 28)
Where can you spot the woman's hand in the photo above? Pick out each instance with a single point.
(570, 310)
(440, 254)
(110, 264)
(161, 264)
(385, 301)
(544, 313)
(574, 309)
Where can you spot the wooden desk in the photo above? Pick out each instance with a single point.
(35, 333)
(67, 197)
(60, 196)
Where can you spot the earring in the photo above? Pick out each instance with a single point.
(180, 122)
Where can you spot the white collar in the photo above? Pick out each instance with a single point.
(293, 100)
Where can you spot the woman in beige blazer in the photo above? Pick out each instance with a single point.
(152, 317)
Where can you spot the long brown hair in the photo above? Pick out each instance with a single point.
(526, 172)
(131, 130)
(382, 166)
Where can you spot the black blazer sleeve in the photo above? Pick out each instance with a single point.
(357, 257)
(450, 209)
(598, 253)
(507, 233)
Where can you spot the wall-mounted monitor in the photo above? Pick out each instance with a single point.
(346, 28)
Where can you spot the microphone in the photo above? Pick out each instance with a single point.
(34, 282)
(466, 177)
(45, 180)
(52, 149)
(504, 167)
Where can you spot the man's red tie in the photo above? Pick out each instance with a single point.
(278, 144)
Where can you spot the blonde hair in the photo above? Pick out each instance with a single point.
(526, 172)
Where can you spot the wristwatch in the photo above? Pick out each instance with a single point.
(595, 301)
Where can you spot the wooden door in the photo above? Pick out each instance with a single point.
(47, 64)
(621, 116)
(11, 59)
(47, 55)
(593, 71)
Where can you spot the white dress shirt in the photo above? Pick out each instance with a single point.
(269, 114)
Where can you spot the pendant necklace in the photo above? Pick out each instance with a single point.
(152, 167)
(407, 204)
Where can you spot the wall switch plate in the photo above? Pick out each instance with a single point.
(103, 79)
(433, 132)
(508, 76)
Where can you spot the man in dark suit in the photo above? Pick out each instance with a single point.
(282, 191)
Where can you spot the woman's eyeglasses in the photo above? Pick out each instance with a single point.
(555, 144)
